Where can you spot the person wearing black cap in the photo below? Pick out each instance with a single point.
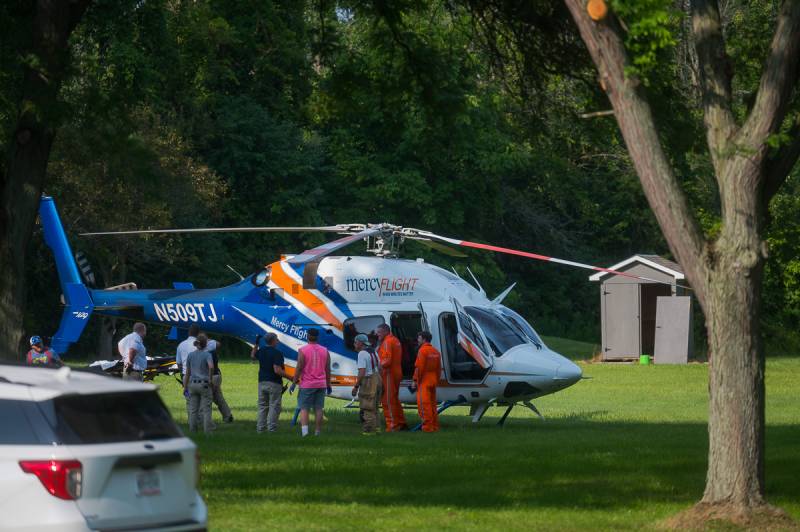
(271, 373)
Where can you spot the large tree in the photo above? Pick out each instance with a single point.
(750, 163)
(22, 179)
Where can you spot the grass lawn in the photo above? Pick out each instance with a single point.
(621, 450)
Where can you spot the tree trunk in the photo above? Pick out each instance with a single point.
(28, 154)
(726, 274)
(736, 368)
(736, 388)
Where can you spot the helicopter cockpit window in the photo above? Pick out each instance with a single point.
(361, 325)
(520, 322)
(501, 334)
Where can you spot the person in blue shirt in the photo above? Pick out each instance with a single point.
(42, 356)
(271, 372)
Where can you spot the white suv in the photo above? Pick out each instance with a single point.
(80, 451)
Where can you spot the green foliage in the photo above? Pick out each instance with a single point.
(650, 31)
(459, 117)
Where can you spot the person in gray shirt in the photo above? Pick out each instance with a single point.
(197, 380)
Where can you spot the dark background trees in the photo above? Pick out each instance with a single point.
(463, 117)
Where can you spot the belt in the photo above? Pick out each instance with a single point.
(198, 381)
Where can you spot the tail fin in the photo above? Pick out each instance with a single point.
(77, 298)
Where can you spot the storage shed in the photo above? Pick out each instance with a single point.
(640, 317)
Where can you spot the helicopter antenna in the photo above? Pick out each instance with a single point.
(480, 288)
(241, 277)
(499, 299)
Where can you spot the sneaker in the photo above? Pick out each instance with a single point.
(369, 433)
(316, 433)
(228, 419)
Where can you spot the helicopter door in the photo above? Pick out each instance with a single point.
(405, 326)
(423, 326)
(470, 337)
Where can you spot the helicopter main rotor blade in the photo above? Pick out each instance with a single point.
(441, 248)
(323, 229)
(536, 256)
(317, 253)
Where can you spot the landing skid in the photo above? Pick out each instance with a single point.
(512, 405)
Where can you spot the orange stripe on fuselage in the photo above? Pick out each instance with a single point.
(296, 290)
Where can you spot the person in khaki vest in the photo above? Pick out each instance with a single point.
(368, 386)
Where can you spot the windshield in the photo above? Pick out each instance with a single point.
(522, 325)
(501, 333)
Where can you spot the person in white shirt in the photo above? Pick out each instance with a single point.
(133, 352)
(368, 384)
(186, 347)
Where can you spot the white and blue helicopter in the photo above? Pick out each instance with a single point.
(490, 354)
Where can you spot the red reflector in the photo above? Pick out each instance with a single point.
(62, 478)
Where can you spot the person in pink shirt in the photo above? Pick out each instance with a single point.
(313, 373)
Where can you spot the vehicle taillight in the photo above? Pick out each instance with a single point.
(62, 478)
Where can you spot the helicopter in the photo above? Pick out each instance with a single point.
(491, 356)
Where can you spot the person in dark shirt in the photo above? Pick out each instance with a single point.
(270, 382)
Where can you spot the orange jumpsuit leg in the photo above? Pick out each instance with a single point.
(386, 401)
(434, 406)
(399, 418)
(427, 398)
(421, 407)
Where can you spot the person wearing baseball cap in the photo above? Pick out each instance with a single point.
(41, 356)
(368, 384)
(271, 373)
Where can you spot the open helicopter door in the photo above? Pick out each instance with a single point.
(471, 338)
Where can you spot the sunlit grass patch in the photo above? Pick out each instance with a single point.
(623, 449)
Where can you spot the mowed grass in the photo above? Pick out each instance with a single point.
(620, 450)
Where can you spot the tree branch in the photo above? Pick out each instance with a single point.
(779, 167)
(637, 124)
(777, 81)
(715, 79)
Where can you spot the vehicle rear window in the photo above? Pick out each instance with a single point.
(109, 418)
(15, 428)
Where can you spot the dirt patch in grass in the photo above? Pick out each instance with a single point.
(704, 516)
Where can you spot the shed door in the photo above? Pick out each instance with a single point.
(673, 326)
(621, 324)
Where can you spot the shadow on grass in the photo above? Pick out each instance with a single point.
(569, 462)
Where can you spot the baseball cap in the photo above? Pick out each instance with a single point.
(36, 340)
(361, 338)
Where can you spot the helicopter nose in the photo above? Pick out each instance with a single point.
(569, 373)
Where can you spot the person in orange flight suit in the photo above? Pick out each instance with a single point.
(391, 354)
(426, 376)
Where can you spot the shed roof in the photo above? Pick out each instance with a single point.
(654, 261)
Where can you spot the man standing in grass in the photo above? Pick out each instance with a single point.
(368, 385)
(271, 373)
(313, 374)
(197, 380)
(390, 353)
(427, 370)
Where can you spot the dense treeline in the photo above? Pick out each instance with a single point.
(423, 113)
